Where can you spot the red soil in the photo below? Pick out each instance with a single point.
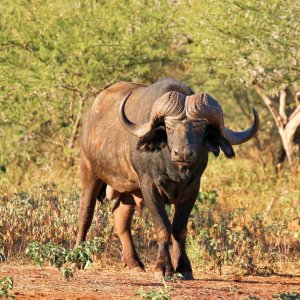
(97, 283)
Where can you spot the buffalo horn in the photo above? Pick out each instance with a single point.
(137, 130)
(170, 105)
(239, 137)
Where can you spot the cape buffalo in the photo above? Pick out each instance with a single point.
(150, 143)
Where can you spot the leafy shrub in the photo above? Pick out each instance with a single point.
(287, 296)
(159, 294)
(228, 239)
(2, 256)
(219, 237)
(210, 196)
(50, 252)
(6, 285)
(83, 253)
(59, 257)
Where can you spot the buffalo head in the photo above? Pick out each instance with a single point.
(188, 125)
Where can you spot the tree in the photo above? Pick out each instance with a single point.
(55, 56)
(254, 45)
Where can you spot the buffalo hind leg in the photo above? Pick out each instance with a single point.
(91, 187)
(123, 213)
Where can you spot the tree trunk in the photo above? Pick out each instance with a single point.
(288, 128)
(292, 132)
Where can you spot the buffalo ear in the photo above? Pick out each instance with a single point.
(226, 147)
(214, 148)
(153, 141)
(215, 141)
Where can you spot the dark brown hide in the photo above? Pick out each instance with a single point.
(150, 144)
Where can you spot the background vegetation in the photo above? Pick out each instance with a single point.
(56, 56)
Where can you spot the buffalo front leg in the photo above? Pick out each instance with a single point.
(123, 213)
(162, 225)
(180, 260)
(91, 188)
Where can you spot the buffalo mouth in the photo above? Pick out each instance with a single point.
(184, 163)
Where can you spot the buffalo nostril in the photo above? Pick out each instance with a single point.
(175, 152)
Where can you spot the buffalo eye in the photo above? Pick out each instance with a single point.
(199, 126)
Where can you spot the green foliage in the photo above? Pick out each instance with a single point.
(218, 235)
(251, 247)
(50, 252)
(59, 257)
(42, 215)
(2, 257)
(68, 273)
(287, 296)
(247, 52)
(210, 196)
(159, 294)
(48, 214)
(174, 278)
(82, 254)
(6, 285)
(243, 40)
(56, 56)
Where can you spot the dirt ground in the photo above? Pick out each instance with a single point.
(97, 283)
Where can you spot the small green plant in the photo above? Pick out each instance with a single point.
(287, 296)
(2, 257)
(59, 257)
(82, 255)
(174, 278)
(50, 252)
(6, 285)
(232, 238)
(160, 294)
(234, 288)
(68, 273)
(210, 196)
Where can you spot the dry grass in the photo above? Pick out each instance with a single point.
(256, 214)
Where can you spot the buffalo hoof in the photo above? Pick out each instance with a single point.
(137, 269)
(188, 276)
(160, 275)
